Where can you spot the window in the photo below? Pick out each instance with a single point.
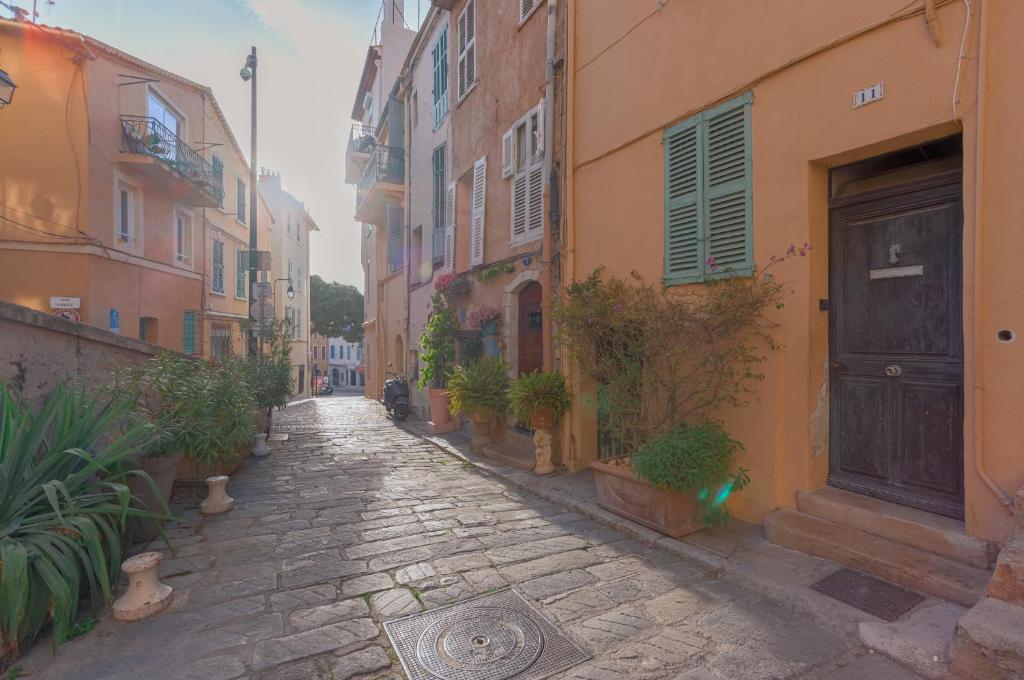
(220, 341)
(240, 200)
(522, 159)
(332, 351)
(127, 212)
(218, 178)
(188, 332)
(148, 329)
(288, 222)
(467, 49)
(182, 237)
(526, 8)
(299, 282)
(439, 58)
(298, 323)
(217, 278)
(289, 270)
(708, 215)
(161, 112)
(298, 231)
(438, 208)
(240, 272)
(395, 237)
(166, 128)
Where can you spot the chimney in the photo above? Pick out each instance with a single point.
(271, 178)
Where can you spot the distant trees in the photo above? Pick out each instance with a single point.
(335, 309)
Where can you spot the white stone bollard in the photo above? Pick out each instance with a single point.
(217, 500)
(259, 447)
(145, 595)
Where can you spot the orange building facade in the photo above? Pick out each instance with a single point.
(122, 195)
(886, 142)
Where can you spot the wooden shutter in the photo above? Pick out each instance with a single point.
(535, 201)
(727, 188)
(540, 129)
(466, 27)
(188, 339)
(508, 154)
(394, 224)
(519, 204)
(684, 245)
(449, 229)
(476, 249)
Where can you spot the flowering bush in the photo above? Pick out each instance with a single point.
(444, 280)
(482, 316)
(451, 285)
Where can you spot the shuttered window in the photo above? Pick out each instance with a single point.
(218, 178)
(466, 30)
(523, 161)
(476, 246)
(395, 236)
(188, 333)
(708, 204)
(239, 200)
(526, 8)
(438, 206)
(439, 58)
(217, 279)
(449, 228)
(240, 272)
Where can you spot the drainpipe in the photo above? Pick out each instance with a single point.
(546, 254)
(979, 220)
(570, 434)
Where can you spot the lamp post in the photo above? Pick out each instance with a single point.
(291, 290)
(7, 88)
(248, 73)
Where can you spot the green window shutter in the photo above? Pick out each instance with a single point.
(188, 344)
(684, 247)
(728, 215)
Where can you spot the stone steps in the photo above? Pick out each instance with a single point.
(942, 536)
(885, 558)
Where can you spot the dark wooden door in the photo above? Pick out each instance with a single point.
(531, 343)
(896, 344)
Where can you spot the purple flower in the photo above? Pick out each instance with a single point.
(711, 263)
(791, 250)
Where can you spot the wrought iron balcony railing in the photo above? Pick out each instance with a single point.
(150, 137)
(386, 164)
(361, 139)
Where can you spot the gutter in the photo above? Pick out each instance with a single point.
(546, 254)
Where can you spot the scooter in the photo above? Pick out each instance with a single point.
(396, 396)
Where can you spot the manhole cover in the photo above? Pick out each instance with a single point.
(869, 594)
(493, 637)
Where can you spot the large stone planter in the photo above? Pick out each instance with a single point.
(162, 470)
(620, 491)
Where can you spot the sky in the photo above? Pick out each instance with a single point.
(310, 53)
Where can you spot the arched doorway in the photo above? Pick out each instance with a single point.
(531, 339)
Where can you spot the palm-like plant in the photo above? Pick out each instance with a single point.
(480, 389)
(64, 506)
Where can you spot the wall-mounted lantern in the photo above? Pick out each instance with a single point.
(7, 88)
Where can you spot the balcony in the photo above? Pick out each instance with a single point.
(382, 183)
(159, 155)
(360, 145)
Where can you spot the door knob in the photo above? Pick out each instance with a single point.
(893, 371)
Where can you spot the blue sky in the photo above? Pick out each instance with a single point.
(311, 53)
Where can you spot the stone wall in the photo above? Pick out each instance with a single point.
(38, 351)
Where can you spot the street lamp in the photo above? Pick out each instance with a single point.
(7, 88)
(291, 290)
(248, 74)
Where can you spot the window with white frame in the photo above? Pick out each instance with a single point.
(127, 211)
(240, 272)
(522, 160)
(439, 58)
(298, 231)
(288, 223)
(466, 31)
(299, 285)
(217, 276)
(526, 8)
(182, 237)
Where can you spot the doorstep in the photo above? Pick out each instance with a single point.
(738, 553)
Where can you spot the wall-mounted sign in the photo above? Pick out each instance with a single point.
(69, 314)
(868, 95)
(115, 321)
(61, 302)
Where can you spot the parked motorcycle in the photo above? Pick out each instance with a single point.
(396, 396)
(327, 389)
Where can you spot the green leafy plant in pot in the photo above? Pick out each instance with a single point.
(269, 374)
(438, 348)
(540, 399)
(64, 507)
(480, 391)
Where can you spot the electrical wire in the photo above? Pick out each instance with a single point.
(960, 61)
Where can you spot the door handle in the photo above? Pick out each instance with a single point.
(893, 371)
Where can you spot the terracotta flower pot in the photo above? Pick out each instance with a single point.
(544, 419)
(162, 470)
(619, 490)
(439, 414)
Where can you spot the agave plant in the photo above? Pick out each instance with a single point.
(64, 506)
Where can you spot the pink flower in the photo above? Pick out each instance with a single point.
(712, 263)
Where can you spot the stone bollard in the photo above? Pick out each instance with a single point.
(146, 595)
(259, 447)
(217, 500)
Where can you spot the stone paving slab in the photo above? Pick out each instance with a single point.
(353, 521)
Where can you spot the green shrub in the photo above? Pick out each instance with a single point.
(270, 374)
(694, 459)
(537, 391)
(481, 387)
(64, 506)
(438, 343)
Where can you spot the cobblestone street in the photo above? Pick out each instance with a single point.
(354, 521)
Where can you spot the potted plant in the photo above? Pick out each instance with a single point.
(451, 286)
(63, 507)
(269, 374)
(664, 360)
(485, 320)
(437, 345)
(480, 391)
(540, 399)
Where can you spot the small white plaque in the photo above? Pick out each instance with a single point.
(896, 272)
(868, 95)
(61, 302)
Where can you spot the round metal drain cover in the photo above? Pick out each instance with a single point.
(481, 642)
